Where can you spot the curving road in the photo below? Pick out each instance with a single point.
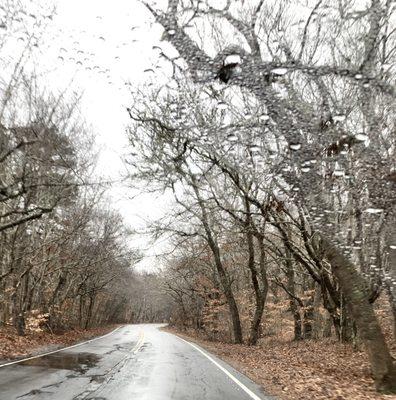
(135, 362)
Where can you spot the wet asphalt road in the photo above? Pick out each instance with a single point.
(136, 362)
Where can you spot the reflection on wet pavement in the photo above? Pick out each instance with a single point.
(79, 362)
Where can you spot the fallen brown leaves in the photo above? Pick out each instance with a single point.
(314, 370)
(14, 346)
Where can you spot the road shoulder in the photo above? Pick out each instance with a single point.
(14, 347)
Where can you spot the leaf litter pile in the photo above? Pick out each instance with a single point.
(13, 346)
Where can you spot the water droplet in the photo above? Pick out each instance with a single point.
(254, 148)
(232, 59)
(361, 137)
(295, 146)
(279, 71)
(221, 105)
(264, 117)
(339, 118)
(373, 210)
(358, 76)
(171, 32)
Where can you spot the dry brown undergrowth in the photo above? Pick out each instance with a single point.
(14, 346)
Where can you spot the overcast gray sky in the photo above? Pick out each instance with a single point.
(101, 45)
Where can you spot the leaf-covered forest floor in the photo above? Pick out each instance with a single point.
(13, 346)
(302, 370)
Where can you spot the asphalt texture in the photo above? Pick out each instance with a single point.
(136, 362)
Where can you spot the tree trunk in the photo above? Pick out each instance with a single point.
(234, 312)
(347, 325)
(327, 325)
(224, 279)
(362, 312)
(261, 297)
(260, 293)
(308, 318)
(294, 306)
(318, 318)
(89, 312)
(392, 301)
(80, 311)
(20, 324)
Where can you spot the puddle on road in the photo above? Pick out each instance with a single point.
(79, 362)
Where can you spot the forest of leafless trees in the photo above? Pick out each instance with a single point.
(275, 135)
(65, 261)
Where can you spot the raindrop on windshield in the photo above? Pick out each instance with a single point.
(373, 210)
(339, 118)
(279, 71)
(361, 137)
(295, 146)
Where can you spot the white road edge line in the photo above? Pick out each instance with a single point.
(237, 381)
(57, 351)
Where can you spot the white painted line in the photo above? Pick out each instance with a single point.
(237, 381)
(57, 351)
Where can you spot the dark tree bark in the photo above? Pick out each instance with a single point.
(223, 277)
(294, 305)
(263, 291)
(89, 311)
(362, 312)
(260, 293)
(308, 318)
(392, 301)
(20, 324)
